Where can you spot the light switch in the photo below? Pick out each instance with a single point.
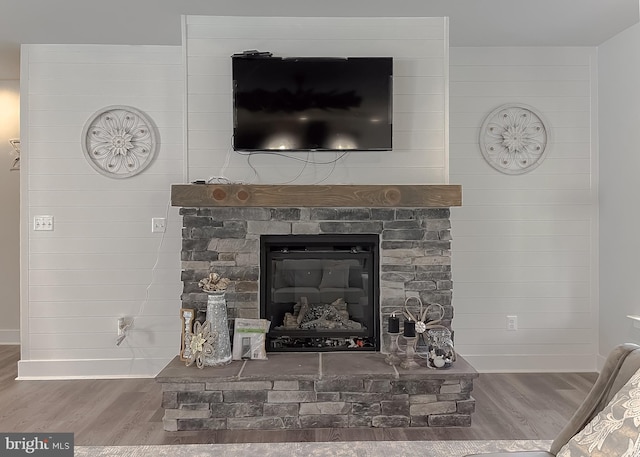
(43, 223)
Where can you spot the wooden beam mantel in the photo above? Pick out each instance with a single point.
(266, 195)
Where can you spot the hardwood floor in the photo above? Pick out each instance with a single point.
(128, 412)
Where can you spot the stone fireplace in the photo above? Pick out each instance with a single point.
(404, 250)
(415, 251)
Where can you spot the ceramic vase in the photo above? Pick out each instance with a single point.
(220, 340)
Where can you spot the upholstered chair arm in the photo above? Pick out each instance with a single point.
(622, 362)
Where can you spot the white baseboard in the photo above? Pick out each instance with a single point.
(507, 363)
(90, 369)
(9, 337)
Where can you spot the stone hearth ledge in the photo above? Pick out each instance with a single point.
(315, 390)
(330, 196)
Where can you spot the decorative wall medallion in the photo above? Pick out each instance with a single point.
(119, 141)
(513, 139)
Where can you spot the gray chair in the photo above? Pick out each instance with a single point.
(620, 365)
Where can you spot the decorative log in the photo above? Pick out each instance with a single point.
(332, 196)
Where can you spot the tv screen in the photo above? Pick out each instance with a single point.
(309, 104)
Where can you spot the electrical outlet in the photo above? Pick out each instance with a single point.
(158, 224)
(512, 323)
(43, 223)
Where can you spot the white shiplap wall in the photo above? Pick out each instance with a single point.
(619, 113)
(522, 245)
(526, 245)
(101, 261)
(419, 47)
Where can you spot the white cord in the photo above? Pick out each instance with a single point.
(333, 167)
(155, 265)
(306, 162)
(301, 170)
(226, 162)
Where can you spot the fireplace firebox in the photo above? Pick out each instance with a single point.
(320, 292)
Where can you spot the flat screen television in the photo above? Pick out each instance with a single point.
(312, 104)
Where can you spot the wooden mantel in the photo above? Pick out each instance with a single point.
(352, 196)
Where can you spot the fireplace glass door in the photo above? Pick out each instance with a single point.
(320, 292)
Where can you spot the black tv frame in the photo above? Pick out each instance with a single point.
(314, 103)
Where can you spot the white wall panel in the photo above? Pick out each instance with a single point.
(568, 150)
(419, 49)
(619, 113)
(112, 292)
(157, 353)
(90, 103)
(560, 135)
(114, 230)
(534, 274)
(533, 213)
(98, 324)
(49, 76)
(510, 305)
(551, 165)
(522, 245)
(555, 88)
(367, 46)
(79, 166)
(86, 55)
(525, 245)
(158, 307)
(557, 118)
(116, 198)
(58, 134)
(527, 321)
(146, 182)
(91, 340)
(552, 337)
(545, 104)
(324, 174)
(542, 57)
(101, 261)
(63, 245)
(69, 277)
(106, 214)
(513, 73)
(524, 228)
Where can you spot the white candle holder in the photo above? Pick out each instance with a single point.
(409, 361)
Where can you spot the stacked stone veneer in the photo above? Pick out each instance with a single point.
(340, 391)
(415, 251)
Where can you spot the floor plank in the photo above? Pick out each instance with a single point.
(128, 412)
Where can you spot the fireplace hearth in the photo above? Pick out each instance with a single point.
(320, 292)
